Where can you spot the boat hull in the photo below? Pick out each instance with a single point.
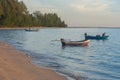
(97, 37)
(75, 43)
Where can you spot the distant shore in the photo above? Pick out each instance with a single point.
(39, 27)
(15, 65)
(22, 28)
(95, 27)
(17, 28)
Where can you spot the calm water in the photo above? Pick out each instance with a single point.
(99, 61)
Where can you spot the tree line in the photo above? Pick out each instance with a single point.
(14, 13)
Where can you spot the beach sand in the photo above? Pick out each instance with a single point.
(15, 65)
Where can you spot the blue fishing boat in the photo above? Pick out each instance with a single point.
(97, 37)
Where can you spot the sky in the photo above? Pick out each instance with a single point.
(80, 13)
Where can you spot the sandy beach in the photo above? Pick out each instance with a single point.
(15, 65)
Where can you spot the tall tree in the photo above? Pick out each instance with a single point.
(14, 13)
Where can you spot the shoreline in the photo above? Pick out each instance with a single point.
(41, 27)
(15, 65)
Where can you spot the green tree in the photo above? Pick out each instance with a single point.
(14, 13)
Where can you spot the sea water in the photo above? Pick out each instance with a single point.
(100, 60)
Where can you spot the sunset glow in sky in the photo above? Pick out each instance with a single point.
(81, 13)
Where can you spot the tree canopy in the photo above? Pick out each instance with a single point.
(14, 13)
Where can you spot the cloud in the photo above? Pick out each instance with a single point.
(95, 13)
(91, 8)
(91, 5)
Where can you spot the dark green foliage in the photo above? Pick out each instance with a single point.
(49, 19)
(13, 13)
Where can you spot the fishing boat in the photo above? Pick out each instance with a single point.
(30, 29)
(97, 37)
(74, 43)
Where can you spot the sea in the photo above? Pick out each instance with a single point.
(100, 60)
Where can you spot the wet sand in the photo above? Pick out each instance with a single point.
(15, 65)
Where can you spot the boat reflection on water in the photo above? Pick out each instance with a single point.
(63, 47)
(32, 29)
